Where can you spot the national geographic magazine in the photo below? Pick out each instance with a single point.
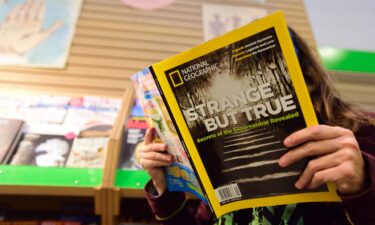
(227, 105)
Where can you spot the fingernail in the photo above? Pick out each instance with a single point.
(287, 141)
(282, 162)
(298, 185)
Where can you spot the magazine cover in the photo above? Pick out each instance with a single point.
(234, 100)
(42, 36)
(219, 19)
(44, 145)
(88, 152)
(94, 115)
(135, 130)
(42, 150)
(180, 175)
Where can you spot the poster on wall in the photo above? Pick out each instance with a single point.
(219, 19)
(37, 33)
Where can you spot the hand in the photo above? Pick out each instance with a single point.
(338, 158)
(152, 157)
(22, 28)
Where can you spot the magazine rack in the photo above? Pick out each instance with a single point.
(70, 182)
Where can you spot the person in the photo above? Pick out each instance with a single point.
(343, 151)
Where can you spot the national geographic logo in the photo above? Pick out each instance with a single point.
(176, 78)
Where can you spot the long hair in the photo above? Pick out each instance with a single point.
(330, 108)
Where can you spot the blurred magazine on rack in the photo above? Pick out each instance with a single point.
(44, 150)
(10, 134)
(134, 130)
(52, 123)
(224, 109)
(88, 152)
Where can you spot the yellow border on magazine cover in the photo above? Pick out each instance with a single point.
(277, 21)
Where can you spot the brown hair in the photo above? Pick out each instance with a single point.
(331, 109)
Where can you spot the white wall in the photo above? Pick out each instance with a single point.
(346, 24)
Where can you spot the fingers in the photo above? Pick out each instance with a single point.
(153, 159)
(320, 140)
(153, 154)
(312, 148)
(57, 25)
(319, 132)
(315, 166)
(149, 136)
(337, 158)
(13, 15)
(338, 175)
(34, 10)
(156, 156)
(40, 10)
(149, 144)
(149, 163)
(22, 13)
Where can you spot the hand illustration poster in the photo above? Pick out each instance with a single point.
(220, 19)
(37, 33)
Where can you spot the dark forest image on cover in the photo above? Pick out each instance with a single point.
(239, 108)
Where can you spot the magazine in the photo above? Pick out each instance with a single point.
(44, 145)
(88, 152)
(180, 175)
(135, 130)
(227, 105)
(10, 134)
(42, 150)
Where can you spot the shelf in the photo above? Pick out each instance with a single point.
(133, 179)
(50, 176)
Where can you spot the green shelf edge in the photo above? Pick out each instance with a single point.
(346, 60)
(50, 176)
(131, 179)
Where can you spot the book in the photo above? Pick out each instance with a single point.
(10, 134)
(227, 105)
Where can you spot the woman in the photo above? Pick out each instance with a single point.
(343, 147)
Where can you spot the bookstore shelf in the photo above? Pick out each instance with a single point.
(31, 180)
(111, 43)
(28, 180)
(50, 176)
(129, 179)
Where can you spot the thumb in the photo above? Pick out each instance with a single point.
(149, 136)
(57, 25)
(35, 39)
